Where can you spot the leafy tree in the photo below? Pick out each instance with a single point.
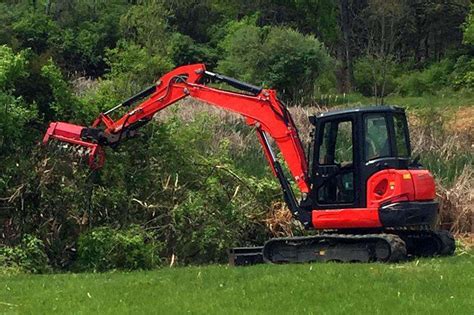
(15, 112)
(34, 30)
(469, 28)
(276, 57)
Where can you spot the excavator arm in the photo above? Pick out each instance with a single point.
(260, 107)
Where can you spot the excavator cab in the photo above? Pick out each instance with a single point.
(362, 175)
(349, 147)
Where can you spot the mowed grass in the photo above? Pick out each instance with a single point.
(426, 286)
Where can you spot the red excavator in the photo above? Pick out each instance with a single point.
(360, 189)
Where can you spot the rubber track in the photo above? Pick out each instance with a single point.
(428, 243)
(305, 247)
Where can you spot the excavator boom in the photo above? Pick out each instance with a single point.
(260, 108)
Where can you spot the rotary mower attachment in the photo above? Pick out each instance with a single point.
(68, 137)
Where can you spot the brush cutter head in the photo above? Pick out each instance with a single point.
(68, 136)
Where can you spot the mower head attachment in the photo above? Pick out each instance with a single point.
(70, 136)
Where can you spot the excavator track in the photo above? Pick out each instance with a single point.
(392, 246)
(428, 243)
(335, 247)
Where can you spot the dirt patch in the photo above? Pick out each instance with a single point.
(463, 120)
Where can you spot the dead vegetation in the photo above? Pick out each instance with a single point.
(457, 203)
(280, 221)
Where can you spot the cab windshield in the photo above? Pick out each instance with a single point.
(377, 142)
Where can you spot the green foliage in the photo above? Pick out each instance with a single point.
(12, 67)
(34, 30)
(439, 76)
(430, 80)
(83, 48)
(184, 50)
(132, 68)
(375, 77)
(15, 112)
(276, 57)
(469, 27)
(463, 74)
(105, 248)
(63, 102)
(28, 256)
(132, 63)
(146, 24)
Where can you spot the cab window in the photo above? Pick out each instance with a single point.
(336, 153)
(377, 142)
(401, 136)
(336, 147)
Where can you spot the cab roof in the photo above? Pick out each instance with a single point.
(368, 109)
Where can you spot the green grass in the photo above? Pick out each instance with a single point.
(427, 286)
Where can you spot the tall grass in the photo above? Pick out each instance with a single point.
(446, 149)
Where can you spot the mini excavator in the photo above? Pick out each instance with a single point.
(360, 189)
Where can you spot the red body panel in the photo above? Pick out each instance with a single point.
(424, 185)
(388, 185)
(383, 187)
(346, 218)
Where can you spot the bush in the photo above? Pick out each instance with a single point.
(184, 50)
(464, 72)
(105, 248)
(430, 80)
(28, 256)
(276, 57)
(16, 113)
(35, 30)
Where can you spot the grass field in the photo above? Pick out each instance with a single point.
(426, 286)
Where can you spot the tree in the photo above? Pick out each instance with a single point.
(346, 53)
(469, 28)
(383, 34)
(276, 57)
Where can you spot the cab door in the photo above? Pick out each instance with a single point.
(335, 173)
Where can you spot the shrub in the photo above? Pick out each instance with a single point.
(430, 80)
(35, 30)
(464, 72)
(184, 50)
(28, 256)
(276, 57)
(105, 248)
